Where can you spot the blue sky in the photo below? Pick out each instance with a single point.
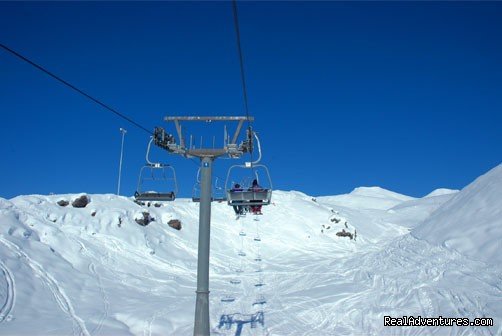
(402, 95)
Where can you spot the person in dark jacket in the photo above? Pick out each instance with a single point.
(239, 209)
(255, 209)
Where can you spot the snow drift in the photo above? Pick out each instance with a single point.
(471, 221)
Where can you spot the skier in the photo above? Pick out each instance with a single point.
(255, 209)
(239, 209)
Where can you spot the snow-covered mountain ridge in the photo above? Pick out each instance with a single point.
(471, 221)
(368, 198)
(95, 271)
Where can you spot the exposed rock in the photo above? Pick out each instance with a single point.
(145, 220)
(81, 202)
(63, 203)
(175, 224)
(344, 233)
(93, 214)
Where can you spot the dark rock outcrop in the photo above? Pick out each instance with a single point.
(81, 202)
(344, 233)
(147, 219)
(175, 224)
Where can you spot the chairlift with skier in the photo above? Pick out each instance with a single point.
(256, 193)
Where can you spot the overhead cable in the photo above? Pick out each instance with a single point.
(73, 87)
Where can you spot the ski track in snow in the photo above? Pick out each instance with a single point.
(57, 291)
(104, 296)
(106, 303)
(320, 285)
(149, 323)
(118, 246)
(10, 298)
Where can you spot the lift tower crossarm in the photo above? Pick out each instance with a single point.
(210, 118)
(232, 149)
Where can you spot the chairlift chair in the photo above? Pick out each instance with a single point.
(227, 298)
(248, 197)
(218, 193)
(260, 300)
(196, 193)
(160, 173)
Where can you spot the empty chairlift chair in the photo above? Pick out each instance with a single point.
(218, 192)
(161, 177)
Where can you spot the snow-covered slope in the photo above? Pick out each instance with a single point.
(95, 271)
(412, 213)
(367, 198)
(440, 192)
(471, 222)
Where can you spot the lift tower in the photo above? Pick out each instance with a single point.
(207, 156)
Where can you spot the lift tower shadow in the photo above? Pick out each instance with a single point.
(240, 320)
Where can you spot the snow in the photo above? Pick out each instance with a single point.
(471, 221)
(368, 198)
(95, 271)
(441, 191)
(412, 213)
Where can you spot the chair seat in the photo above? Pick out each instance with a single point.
(249, 197)
(213, 199)
(155, 196)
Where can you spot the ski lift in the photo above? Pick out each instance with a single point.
(260, 301)
(196, 188)
(252, 196)
(227, 298)
(160, 174)
(235, 281)
(219, 192)
(217, 195)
